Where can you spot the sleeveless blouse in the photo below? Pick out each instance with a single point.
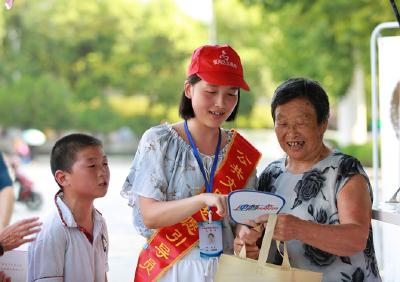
(313, 196)
(165, 169)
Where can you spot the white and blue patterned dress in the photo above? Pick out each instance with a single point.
(312, 196)
(165, 169)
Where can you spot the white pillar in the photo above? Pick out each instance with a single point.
(352, 112)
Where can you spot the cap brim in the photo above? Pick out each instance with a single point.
(224, 78)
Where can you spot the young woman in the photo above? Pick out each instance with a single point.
(182, 172)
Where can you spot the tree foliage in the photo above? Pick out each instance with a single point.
(62, 59)
(320, 39)
(63, 62)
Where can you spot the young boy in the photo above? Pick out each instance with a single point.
(73, 243)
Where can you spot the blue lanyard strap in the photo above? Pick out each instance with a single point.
(199, 161)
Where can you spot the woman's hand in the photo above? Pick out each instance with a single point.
(14, 235)
(250, 232)
(4, 277)
(286, 227)
(252, 251)
(248, 236)
(216, 200)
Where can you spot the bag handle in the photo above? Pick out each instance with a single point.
(242, 253)
(266, 243)
(286, 262)
(285, 255)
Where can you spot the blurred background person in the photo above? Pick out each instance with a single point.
(6, 194)
(22, 150)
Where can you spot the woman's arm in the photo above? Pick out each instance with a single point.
(157, 214)
(6, 194)
(344, 239)
(6, 205)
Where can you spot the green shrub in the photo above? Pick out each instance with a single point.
(362, 152)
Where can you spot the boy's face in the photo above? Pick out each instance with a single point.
(89, 176)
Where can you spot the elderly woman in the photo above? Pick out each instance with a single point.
(326, 221)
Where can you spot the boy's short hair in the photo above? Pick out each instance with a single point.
(64, 151)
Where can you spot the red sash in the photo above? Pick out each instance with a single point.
(169, 244)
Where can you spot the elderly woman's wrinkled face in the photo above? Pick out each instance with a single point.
(297, 129)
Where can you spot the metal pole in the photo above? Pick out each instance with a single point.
(375, 160)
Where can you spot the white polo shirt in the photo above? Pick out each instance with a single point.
(62, 252)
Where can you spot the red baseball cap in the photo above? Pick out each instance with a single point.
(218, 64)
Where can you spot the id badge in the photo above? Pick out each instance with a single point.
(210, 239)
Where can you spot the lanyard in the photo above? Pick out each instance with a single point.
(199, 161)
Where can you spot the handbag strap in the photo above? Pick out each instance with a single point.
(266, 242)
(242, 253)
(286, 262)
(285, 255)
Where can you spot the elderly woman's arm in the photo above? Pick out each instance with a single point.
(344, 239)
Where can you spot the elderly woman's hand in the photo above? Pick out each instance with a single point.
(286, 228)
(248, 236)
(4, 277)
(14, 235)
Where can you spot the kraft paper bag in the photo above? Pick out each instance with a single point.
(238, 269)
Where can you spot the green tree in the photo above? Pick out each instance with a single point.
(247, 33)
(93, 51)
(320, 39)
(41, 102)
(99, 48)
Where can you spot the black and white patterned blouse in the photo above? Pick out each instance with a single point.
(312, 196)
